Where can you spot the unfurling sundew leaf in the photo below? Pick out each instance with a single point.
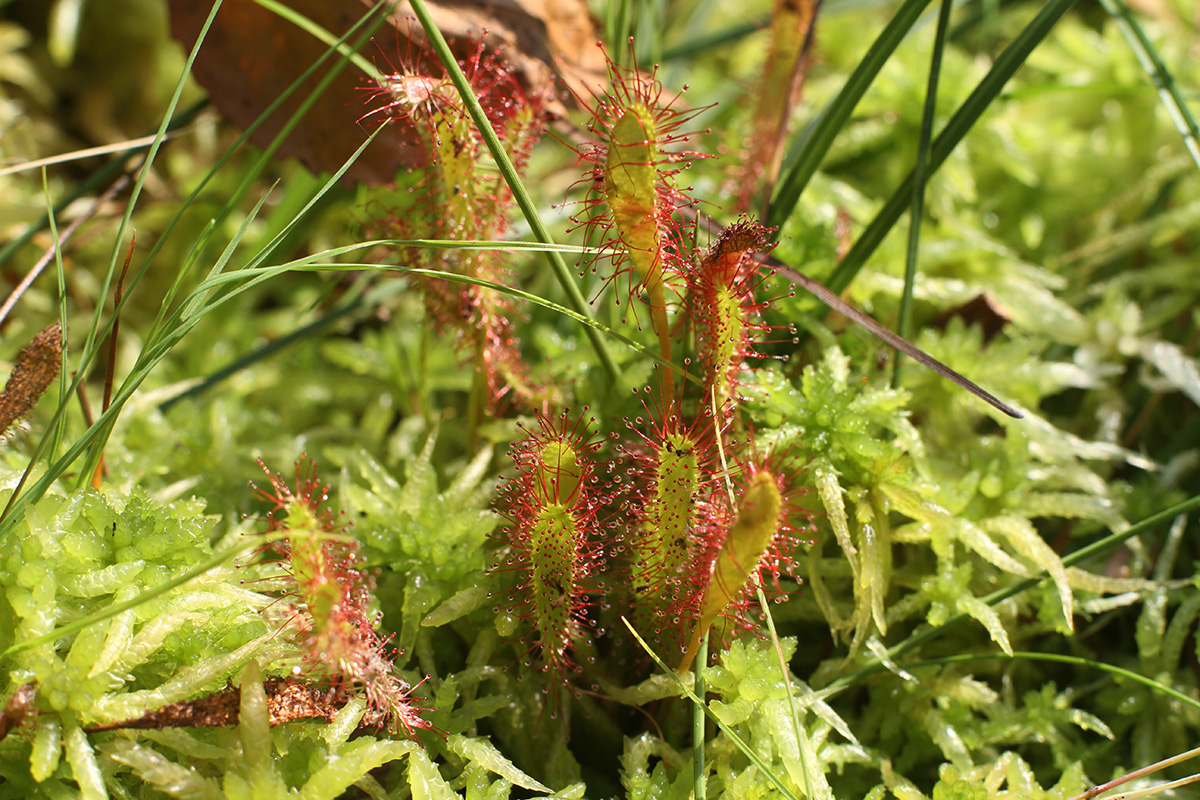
(721, 298)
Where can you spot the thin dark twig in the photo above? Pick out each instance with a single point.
(110, 371)
(118, 293)
(903, 345)
(577, 136)
(85, 405)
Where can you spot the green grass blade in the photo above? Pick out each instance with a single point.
(699, 767)
(257, 275)
(97, 434)
(364, 27)
(1060, 658)
(57, 424)
(334, 42)
(118, 240)
(60, 428)
(786, 674)
(1082, 554)
(920, 177)
(96, 181)
(155, 349)
(618, 26)
(15, 505)
(971, 110)
(738, 742)
(1168, 91)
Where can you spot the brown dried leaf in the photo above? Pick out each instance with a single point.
(984, 311)
(540, 38)
(251, 55)
(288, 700)
(18, 707)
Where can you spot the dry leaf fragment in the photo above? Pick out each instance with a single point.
(288, 700)
(251, 55)
(541, 39)
(984, 310)
(249, 58)
(18, 707)
(36, 368)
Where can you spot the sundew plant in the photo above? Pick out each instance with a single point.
(440, 402)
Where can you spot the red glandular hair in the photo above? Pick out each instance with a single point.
(329, 597)
(553, 539)
(461, 196)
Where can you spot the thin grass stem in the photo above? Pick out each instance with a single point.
(1059, 658)
(738, 742)
(106, 176)
(325, 37)
(1082, 554)
(699, 767)
(805, 157)
(1164, 83)
(920, 178)
(786, 673)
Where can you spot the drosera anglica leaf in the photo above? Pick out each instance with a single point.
(757, 538)
(673, 481)
(633, 201)
(553, 539)
(459, 195)
(332, 596)
(725, 312)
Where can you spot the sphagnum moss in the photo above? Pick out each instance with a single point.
(929, 514)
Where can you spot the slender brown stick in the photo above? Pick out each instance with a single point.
(898, 342)
(85, 405)
(1138, 773)
(572, 133)
(111, 370)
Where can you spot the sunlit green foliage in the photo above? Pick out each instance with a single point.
(1057, 269)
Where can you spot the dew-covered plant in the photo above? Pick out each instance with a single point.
(573, 557)
(459, 195)
(634, 201)
(330, 603)
(553, 541)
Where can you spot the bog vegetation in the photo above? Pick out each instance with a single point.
(571, 488)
